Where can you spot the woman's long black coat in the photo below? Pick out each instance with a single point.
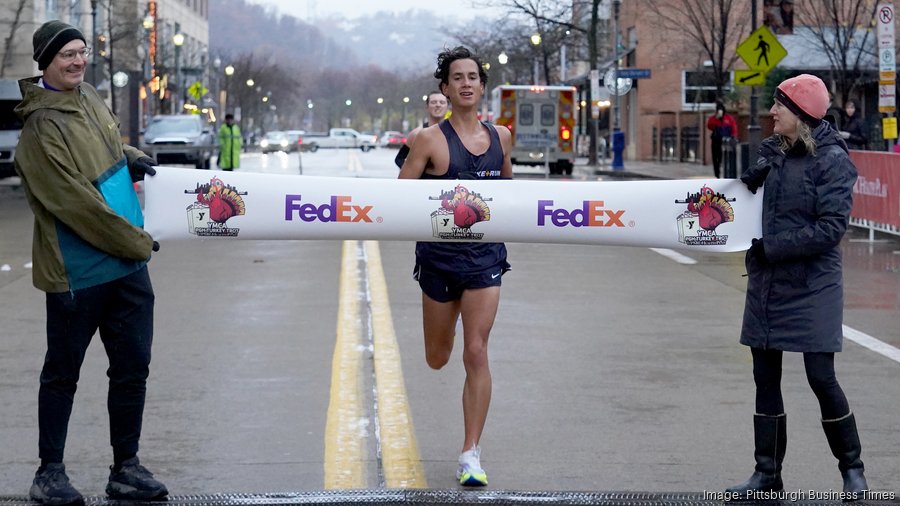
(795, 299)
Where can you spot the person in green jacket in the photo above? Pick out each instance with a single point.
(229, 145)
(89, 255)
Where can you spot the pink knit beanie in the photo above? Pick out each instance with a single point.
(806, 96)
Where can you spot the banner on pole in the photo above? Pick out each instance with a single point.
(699, 214)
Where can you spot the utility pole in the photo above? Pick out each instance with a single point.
(753, 129)
(94, 42)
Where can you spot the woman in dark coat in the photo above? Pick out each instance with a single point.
(795, 285)
(854, 133)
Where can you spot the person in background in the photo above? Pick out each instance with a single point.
(853, 132)
(795, 298)
(230, 141)
(462, 279)
(436, 107)
(723, 128)
(90, 256)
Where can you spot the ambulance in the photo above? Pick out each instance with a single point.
(542, 122)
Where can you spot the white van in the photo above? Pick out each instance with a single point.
(10, 125)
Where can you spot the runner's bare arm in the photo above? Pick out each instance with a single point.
(506, 143)
(419, 155)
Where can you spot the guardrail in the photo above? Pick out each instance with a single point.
(876, 195)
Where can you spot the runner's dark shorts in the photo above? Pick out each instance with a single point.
(444, 286)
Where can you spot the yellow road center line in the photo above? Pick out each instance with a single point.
(400, 457)
(344, 449)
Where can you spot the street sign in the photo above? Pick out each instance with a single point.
(885, 16)
(887, 65)
(595, 84)
(634, 73)
(749, 78)
(621, 85)
(889, 127)
(761, 50)
(887, 97)
(197, 90)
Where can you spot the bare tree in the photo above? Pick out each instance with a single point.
(841, 29)
(14, 25)
(716, 26)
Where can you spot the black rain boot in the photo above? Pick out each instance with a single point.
(770, 439)
(843, 439)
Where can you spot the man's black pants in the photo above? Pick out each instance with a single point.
(716, 155)
(123, 312)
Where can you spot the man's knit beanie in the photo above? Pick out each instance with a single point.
(806, 96)
(50, 38)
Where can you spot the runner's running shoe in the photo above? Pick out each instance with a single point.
(470, 473)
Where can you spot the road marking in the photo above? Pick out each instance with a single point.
(344, 449)
(353, 162)
(400, 458)
(674, 255)
(867, 341)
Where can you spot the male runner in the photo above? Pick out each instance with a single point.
(461, 278)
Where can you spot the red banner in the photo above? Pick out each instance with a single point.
(876, 195)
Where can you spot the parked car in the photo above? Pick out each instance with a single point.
(295, 138)
(276, 140)
(392, 139)
(10, 125)
(338, 138)
(180, 138)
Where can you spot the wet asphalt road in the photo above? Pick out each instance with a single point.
(614, 368)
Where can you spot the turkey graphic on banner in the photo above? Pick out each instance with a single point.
(696, 214)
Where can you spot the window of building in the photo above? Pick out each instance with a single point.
(700, 89)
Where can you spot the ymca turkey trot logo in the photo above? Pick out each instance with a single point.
(706, 210)
(216, 202)
(460, 209)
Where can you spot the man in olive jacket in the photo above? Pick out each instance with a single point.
(90, 256)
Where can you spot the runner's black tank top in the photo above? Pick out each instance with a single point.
(465, 257)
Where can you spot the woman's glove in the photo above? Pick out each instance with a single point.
(770, 156)
(758, 251)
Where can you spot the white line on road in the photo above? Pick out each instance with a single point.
(852, 334)
(871, 343)
(674, 255)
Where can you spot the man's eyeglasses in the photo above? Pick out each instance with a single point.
(70, 55)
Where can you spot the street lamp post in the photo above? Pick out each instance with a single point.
(404, 124)
(618, 138)
(178, 40)
(536, 41)
(223, 96)
(503, 59)
(94, 41)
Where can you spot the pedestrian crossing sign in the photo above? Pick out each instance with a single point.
(761, 51)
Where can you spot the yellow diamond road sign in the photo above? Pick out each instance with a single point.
(761, 51)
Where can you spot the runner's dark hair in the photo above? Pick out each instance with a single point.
(448, 56)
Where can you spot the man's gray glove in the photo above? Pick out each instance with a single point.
(141, 166)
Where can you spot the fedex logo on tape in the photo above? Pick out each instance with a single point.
(338, 209)
(591, 214)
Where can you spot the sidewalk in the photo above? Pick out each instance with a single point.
(633, 170)
(648, 169)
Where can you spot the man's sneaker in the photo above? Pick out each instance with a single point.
(51, 487)
(470, 473)
(134, 481)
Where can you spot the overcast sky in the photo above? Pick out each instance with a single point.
(306, 9)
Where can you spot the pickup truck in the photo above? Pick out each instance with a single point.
(337, 138)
